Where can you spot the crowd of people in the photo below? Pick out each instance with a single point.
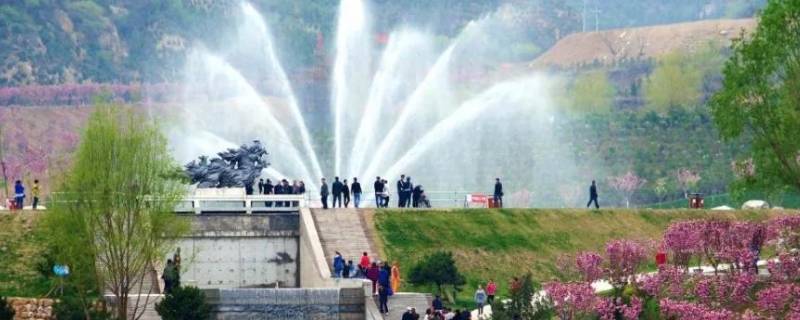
(385, 277)
(408, 195)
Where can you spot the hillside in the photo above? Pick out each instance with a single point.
(21, 251)
(500, 244)
(609, 46)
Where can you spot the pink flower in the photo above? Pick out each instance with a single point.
(624, 258)
(571, 299)
(671, 309)
(589, 264)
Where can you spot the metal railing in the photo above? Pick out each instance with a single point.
(251, 204)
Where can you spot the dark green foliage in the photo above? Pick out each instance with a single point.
(761, 98)
(519, 307)
(70, 307)
(6, 311)
(438, 268)
(184, 303)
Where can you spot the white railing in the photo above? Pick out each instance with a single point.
(250, 204)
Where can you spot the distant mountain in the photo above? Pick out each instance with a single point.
(609, 46)
(127, 41)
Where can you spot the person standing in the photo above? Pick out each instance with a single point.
(355, 189)
(348, 269)
(385, 277)
(480, 300)
(407, 188)
(400, 187)
(338, 265)
(345, 193)
(385, 193)
(336, 189)
(415, 195)
(19, 194)
(491, 289)
(373, 274)
(378, 187)
(395, 277)
(363, 264)
(35, 194)
(268, 187)
(437, 303)
(169, 275)
(593, 196)
(323, 194)
(498, 193)
(383, 299)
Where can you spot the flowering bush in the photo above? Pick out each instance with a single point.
(571, 299)
(671, 309)
(780, 301)
(624, 258)
(732, 291)
(589, 264)
(611, 309)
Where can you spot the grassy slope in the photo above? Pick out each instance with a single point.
(20, 252)
(500, 244)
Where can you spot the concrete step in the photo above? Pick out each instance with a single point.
(342, 230)
(399, 303)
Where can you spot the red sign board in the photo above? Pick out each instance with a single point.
(478, 198)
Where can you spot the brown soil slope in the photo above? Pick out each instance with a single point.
(645, 42)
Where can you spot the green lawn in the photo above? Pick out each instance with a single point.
(500, 244)
(20, 256)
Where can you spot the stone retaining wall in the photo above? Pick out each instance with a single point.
(32, 309)
(287, 304)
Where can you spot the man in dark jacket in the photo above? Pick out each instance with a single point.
(378, 187)
(268, 187)
(345, 193)
(336, 189)
(407, 189)
(355, 189)
(260, 186)
(323, 194)
(400, 194)
(593, 196)
(498, 193)
(415, 195)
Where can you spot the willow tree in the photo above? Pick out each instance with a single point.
(760, 98)
(112, 217)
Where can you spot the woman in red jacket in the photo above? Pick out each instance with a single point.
(363, 264)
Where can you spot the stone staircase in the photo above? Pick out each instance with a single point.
(343, 230)
(148, 293)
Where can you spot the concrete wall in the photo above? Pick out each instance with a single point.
(232, 251)
(320, 304)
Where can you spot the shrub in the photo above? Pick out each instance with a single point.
(438, 268)
(519, 306)
(6, 311)
(184, 303)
